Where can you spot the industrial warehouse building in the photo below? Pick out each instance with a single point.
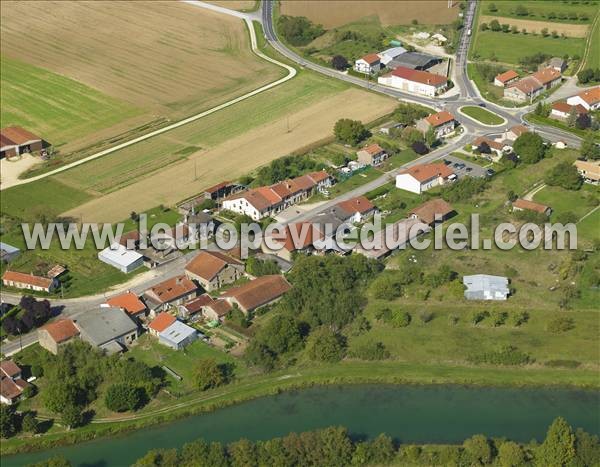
(121, 258)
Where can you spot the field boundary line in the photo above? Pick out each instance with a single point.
(253, 42)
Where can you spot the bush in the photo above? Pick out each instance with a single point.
(121, 397)
(560, 324)
(370, 351)
(209, 374)
(400, 319)
(529, 147)
(463, 190)
(498, 317)
(298, 30)
(419, 147)
(339, 63)
(325, 345)
(386, 286)
(564, 175)
(507, 355)
(519, 317)
(478, 316)
(350, 131)
(426, 316)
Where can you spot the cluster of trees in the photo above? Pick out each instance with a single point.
(327, 295)
(259, 267)
(29, 315)
(531, 62)
(499, 318)
(530, 147)
(589, 149)
(589, 75)
(74, 377)
(298, 30)
(209, 374)
(564, 175)
(505, 355)
(464, 189)
(488, 71)
(334, 446)
(349, 131)
(408, 114)
(285, 167)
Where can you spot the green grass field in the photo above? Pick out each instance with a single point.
(539, 9)
(510, 48)
(482, 115)
(592, 59)
(57, 108)
(578, 202)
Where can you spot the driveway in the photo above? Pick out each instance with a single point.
(464, 169)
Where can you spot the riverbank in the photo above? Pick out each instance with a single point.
(301, 377)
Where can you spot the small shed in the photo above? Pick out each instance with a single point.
(486, 287)
(178, 335)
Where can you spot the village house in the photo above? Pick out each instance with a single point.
(556, 63)
(372, 154)
(130, 240)
(357, 209)
(121, 258)
(390, 54)
(212, 270)
(589, 171)
(589, 99)
(15, 141)
(8, 252)
(178, 335)
(172, 292)
(108, 328)
(54, 335)
(495, 149)
(423, 177)
(530, 87)
(391, 238)
(266, 201)
(526, 205)
(12, 383)
(442, 123)
(261, 291)
(486, 287)
(296, 237)
(504, 79)
(368, 64)
(562, 110)
(432, 210)
(514, 132)
(162, 321)
(221, 190)
(415, 81)
(130, 303)
(21, 280)
(201, 225)
(204, 306)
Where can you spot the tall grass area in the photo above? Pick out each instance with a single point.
(57, 108)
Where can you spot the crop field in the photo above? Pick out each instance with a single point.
(536, 26)
(237, 156)
(337, 13)
(510, 48)
(540, 10)
(166, 60)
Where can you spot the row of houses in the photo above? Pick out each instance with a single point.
(12, 384)
(579, 104)
(30, 281)
(529, 87)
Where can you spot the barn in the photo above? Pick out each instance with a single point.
(15, 141)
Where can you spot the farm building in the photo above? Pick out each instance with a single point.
(368, 64)
(433, 210)
(213, 269)
(562, 110)
(423, 177)
(15, 141)
(11, 382)
(108, 328)
(390, 54)
(200, 224)
(504, 79)
(178, 335)
(414, 61)
(526, 205)
(415, 81)
(56, 334)
(442, 123)
(21, 280)
(486, 287)
(8, 252)
(372, 154)
(121, 258)
(589, 99)
(589, 171)
(172, 292)
(257, 293)
(556, 63)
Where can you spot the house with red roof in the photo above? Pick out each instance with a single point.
(588, 99)
(423, 177)
(213, 269)
(11, 382)
(295, 237)
(442, 123)
(21, 280)
(373, 154)
(415, 81)
(370, 63)
(561, 110)
(527, 205)
(533, 85)
(171, 292)
(356, 209)
(504, 79)
(130, 303)
(162, 321)
(204, 306)
(261, 291)
(54, 335)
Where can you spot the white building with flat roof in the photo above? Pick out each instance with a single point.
(121, 258)
(178, 335)
(486, 287)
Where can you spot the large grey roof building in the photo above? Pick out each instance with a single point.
(414, 61)
(486, 287)
(107, 327)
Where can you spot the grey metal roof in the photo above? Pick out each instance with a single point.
(412, 60)
(486, 287)
(177, 332)
(104, 324)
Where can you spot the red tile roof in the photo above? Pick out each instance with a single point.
(418, 76)
(162, 321)
(296, 236)
(220, 307)
(217, 187)
(359, 204)
(568, 108)
(424, 172)
(519, 130)
(530, 205)
(11, 389)
(171, 289)
(371, 59)
(196, 304)
(527, 85)
(507, 76)
(373, 149)
(207, 264)
(15, 135)
(258, 292)
(9, 368)
(129, 302)
(439, 118)
(591, 96)
(61, 330)
(319, 176)
(546, 75)
(30, 279)
(490, 142)
(426, 212)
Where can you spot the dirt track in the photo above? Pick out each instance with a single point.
(235, 157)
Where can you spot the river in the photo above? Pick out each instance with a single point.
(411, 414)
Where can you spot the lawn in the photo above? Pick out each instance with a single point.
(588, 228)
(57, 108)
(539, 10)
(592, 59)
(578, 202)
(356, 180)
(482, 115)
(511, 48)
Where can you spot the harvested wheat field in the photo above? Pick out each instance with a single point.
(339, 12)
(236, 156)
(166, 59)
(569, 30)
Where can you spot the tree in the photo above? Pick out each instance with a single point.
(587, 448)
(430, 137)
(478, 449)
(585, 76)
(258, 267)
(56, 461)
(484, 27)
(242, 453)
(510, 454)
(350, 131)
(544, 32)
(505, 27)
(529, 147)
(325, 345)
(387, 286)
(589, 149)
(492, 7)
(159, 457)
(339, 62)
(572, 117)
(558, 449)
(29, 423)
(583, 122)
(8, 421)
(564, 175)
(121, 397)
(408, 114)
(400, 319)
(208, 374)
(72, 416)
(514, 29)
(59, 394)
(419, 147)
(298, 30)
(495, 25)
